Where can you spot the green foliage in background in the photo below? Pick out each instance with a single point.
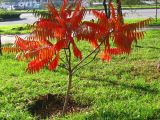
(15, 29)
(5, 14)
(131, 2)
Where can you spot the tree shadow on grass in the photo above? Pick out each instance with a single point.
(155, 115)
(112, 115)
(107, 115)
(1, 93)
(138, 88)
(151, 47)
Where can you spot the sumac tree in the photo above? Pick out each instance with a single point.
(60, 32)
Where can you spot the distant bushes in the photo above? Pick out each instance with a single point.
(5, 14)
(131, 2)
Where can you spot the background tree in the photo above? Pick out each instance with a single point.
(107, 8)
(156, 10)
(1, 1)
(11, 2)
(59, 32)
(119, 9)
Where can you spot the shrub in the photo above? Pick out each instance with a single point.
(5, 14)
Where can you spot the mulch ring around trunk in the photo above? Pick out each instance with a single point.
(49, 105)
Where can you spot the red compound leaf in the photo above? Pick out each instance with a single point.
(54, 63)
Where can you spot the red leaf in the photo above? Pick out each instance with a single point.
(94, 43)
(77, 52)
(36, 65)
(62, 10)
(114, 51)
(52, 10)
(53, 64)
(20, 43)
(60, 45)
(112, 11)
(105, 57)
(99, 15)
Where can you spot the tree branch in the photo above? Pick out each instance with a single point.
(87, 62)
(62, 60)
(78, 64)
(65, 52)
(70, 74)
(63, 66)
(69, 59)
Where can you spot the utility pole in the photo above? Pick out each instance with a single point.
(0, 46)
(156, 10)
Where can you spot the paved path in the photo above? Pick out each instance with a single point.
(28, 18)
(134, 13)
(10, 38)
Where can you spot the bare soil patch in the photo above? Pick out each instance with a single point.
(49, 105)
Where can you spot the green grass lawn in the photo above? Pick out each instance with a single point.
(140, 6)
(153, 23)
(14, 29)
(126, 88)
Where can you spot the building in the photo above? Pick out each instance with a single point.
(24, 4)
(29, 4)
(85, 3)
(35, 4)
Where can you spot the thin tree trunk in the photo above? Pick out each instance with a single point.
(32, 4)
(68, 92)
(70, 74)
(11, 6)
